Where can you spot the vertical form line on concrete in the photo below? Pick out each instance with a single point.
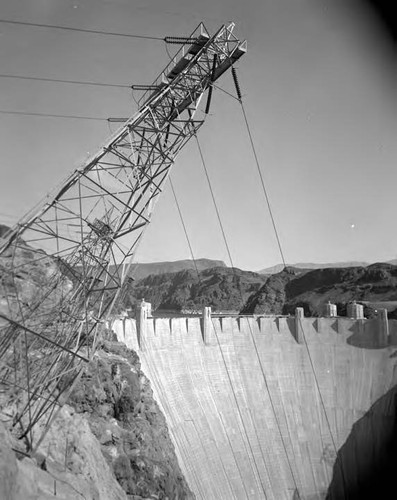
(274, 411)
(323, 405)
(224, 428)
(239, 412)
(231, 447)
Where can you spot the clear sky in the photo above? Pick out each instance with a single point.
(319, 87)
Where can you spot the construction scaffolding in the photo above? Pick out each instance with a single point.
(86, 233)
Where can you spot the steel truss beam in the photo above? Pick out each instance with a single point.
(87, 231)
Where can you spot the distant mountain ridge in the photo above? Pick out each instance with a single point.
(311, 265)
(226, 289)
(141, 270)
(311, 289)
(222, 288)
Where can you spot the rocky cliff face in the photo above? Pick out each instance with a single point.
(110, 442)
(68, 465)
(115, 397)
(272, 296)
(25, 272)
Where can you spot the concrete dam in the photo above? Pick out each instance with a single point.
(259, 407)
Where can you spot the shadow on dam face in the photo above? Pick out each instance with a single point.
(261, 409)
(369, 334)
(365, 467)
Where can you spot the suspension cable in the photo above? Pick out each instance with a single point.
(224, 362)
(81, 30)
(238, 91)
(184, 229)
(213, 200)
(263, 183)
(50, 115)
(239, 96)
(249, 326)
(58, 80)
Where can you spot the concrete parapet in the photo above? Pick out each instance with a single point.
(206, 324)
(384, 333)
(299, 318)
(268, 325)
(162, 333)
(141, 314)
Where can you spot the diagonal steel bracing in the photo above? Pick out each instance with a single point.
(85, 233)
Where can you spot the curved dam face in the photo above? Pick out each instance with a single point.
(258, 408)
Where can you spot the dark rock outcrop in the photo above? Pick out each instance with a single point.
(222, 288)
(292, 288)
(272, 296)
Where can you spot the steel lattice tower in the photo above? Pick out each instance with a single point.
(88, 230)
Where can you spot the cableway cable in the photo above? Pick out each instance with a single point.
(240, 100)
(224, 361)
(81, 30)
(229, 378)
(282, 255)
(247, 440)
(263, 183)
(251, 333)
(50, 115)
(58, 80)
(213, 199)
(234, 74)
(184, 229)
(224, 91)
(233, 268)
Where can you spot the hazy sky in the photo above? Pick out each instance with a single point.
(319, 86)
